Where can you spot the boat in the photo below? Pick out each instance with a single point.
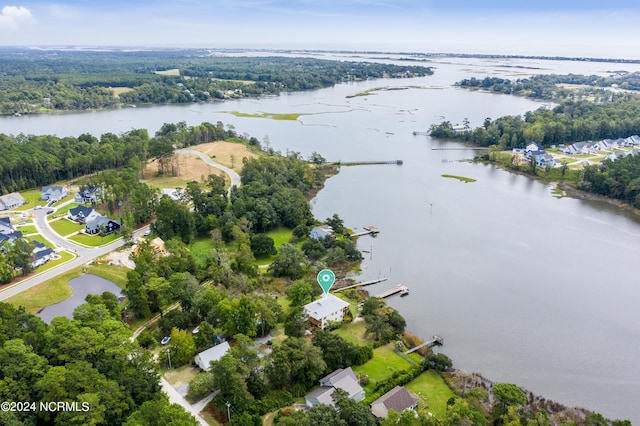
(404, 292)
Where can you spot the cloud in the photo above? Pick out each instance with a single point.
(12, 17)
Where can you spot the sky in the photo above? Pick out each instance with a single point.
(541, 27)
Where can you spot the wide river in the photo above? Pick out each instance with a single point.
(525, 287)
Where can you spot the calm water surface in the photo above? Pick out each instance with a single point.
(82, 286)
(525, 287)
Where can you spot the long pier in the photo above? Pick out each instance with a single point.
(362, 284)
(416, 133)
(400, 288)
(366, 163)
(436, 341)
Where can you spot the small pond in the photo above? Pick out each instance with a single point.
(82, 286)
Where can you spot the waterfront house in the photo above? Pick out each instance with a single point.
(10, 201)
(53, 193)
(545, 160)
(102, 224)
(204, 358)
(533, 147)
(397, 399)
(82, 214)
(89, 194)
(344, 379)
(321, 231)
(326, 310)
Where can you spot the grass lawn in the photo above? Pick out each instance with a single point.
(384, 363)
(280, 235)
(32, 199)
(354, 332)
(48, 293)
(64, 210)
(27, 229)
(113, 273)
(65, 226)
(57, 289)
(180, 376)
(201, 249)
(95, 240)
(64, 257)
(432, 391)
(40, 238)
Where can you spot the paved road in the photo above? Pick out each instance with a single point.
(235, 178)
(176, 398)
(83, 254)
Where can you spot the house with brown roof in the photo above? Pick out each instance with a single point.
(397, 399)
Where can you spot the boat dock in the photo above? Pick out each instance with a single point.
(400, 288)
(367, 230)
(366, 163)
(362, 284)
(436, 341)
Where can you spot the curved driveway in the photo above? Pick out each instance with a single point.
(235, 178)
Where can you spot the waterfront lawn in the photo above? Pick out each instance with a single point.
(113, 273)
(48, 293)
(433, 392)
(65, 226)
(95, 240)
(354, 332)
(384, 363)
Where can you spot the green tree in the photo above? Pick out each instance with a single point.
(295, 361)
(181, 349)
(300, 293)
(262, 245)
(290, 262)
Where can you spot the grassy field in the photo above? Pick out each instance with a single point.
(117, 91)
(65, 226)
(174, 71)
(384, 363)
(279, 236)
(432, 391)
(94, 240)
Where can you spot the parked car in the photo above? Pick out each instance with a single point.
(165, 340)
(147, 232)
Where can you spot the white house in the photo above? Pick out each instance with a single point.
(397, 399)
(344, 379)
(321, 231)
(10, 201)
(53, 193)
(203, 359)
(325, 310)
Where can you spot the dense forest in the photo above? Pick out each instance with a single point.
(34, 81)
(618, 179)
(89, 360)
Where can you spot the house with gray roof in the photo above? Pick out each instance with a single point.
(39, 258)
(102, 224)
(53, 193)
(82, 214)
(204, 358)
(10, 201)
(321, 231)
(326, 310)
(344, 379)
(397, 399)
(88, 194)
(5, 226)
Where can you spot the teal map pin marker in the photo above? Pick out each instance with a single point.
(326, 278)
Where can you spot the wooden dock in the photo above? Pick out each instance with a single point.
(417, 133)
(362, 284)
(400, 288)
(436, 341)
(367, 230)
